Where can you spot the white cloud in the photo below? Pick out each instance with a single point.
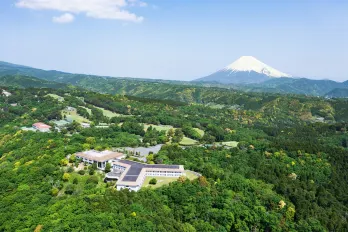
(137, 3)
(100, 9)
(64, 18)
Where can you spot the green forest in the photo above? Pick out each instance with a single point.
(287, 169)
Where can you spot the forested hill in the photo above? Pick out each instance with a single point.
(21, 81)
(297, 106)
(264, 168)
(128, 85)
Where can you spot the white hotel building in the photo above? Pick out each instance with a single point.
(134, 173)
(101, 158)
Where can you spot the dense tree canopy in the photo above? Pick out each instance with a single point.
(287, 173)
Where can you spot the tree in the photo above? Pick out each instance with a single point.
(70, 188)
(72, 158)
(171, 132)
(64, 162)
(90, 140)
(107, 167)
(178, 136)
(66, 177)
(54, 191)
(153, 181)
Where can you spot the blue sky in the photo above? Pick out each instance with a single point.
(175, 39)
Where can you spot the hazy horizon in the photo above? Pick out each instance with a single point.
(178, 40)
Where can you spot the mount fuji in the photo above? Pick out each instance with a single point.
(245, 70)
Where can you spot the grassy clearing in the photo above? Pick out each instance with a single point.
(55, 96)
(108, 113)
(190, 175)
(188, 142)
(200, 132)
(230, 143)
(73, 116)
(165, 128)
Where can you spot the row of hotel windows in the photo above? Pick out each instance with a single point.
(163, 173)
(118, 167)
(85, 160)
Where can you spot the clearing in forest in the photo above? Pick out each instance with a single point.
(55, 96)
(230, 143)
(74, 116)
(158, 127)
(188, 142)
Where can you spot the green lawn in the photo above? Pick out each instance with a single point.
(165, 180)
(190, 175)
(74, 116)
(188, 142)
(230, 143)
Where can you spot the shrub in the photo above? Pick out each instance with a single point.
(64, 162)
(153, 181)
(54, 191)
(91, 171)
(92, 179)
(75, 181)
(70, 169)
(81, 172)
(70, 188)
(66, 176)
(72, 158)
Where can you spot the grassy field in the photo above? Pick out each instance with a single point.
(165, 180)
(190, 175)
(200, 132)
(73, 116)
(230, 143)
(159, 128)
(188, 142)
(109, 114)
(55, 96)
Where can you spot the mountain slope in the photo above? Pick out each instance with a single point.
(338, 93)
(245, 70)
(28, 82)
(296, 86)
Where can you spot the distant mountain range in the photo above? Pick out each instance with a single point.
(246, 74)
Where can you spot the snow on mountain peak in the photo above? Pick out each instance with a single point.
(249, 63)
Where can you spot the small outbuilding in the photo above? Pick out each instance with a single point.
(42, 127)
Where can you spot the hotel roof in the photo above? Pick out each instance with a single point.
(100, 156)
(41, 125)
